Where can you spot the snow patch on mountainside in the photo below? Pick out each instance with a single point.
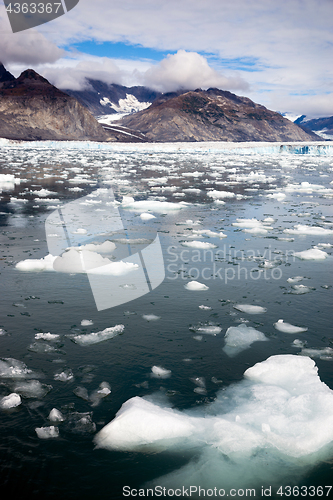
(124, 107)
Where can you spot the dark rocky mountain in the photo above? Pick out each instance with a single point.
(323, 126)
(213, 115)
(33, 109)
(99, 96)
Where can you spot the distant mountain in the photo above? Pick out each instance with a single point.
(322, 126)
(33, 109)
(104, 99)
(213, 115)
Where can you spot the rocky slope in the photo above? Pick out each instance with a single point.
(33, 109)
(213, 115)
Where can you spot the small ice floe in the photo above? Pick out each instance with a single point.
(298, 343)
(198, 337)
(295, 279)
(96, 396)
(300, 289)
(10, 401)
(159, 372)
(42, 348)
(195, 286)
(239, 338)
(250, 309)
(208, 329)
(32, 389)
(87, 322)
(14, 369)
(64, 376)
(35, 265)
(311, 254)
(95, 338)
(81, 392)
(151, 205)
(310, 230)
(278, 196)
(252, 226)
(288, 328)
(205, 308)
(47, 432)
(47, 336)
(81, 423)
(201, 245)
(146, 216)
(42, 193)
(217, 195)
(80, 230)
(106, 247)
(324, 245)
(325, 354)
(201, 385)
(151, 317)
(209, 233)
(56, 415)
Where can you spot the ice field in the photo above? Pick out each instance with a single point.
(165, 318)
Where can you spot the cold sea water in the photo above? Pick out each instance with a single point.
(224, 369)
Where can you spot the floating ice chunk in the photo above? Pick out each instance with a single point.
(200, 390)
(295, 279)
(42, 348)
(209, 233)
(95, 338)
(10, 401)
(250, 309)
(79, 261)
(47, 336)
(247, 223)
(12, 368)
(199, 381)
(202, 245)
(100, 393)
(159, 372)
(80, 230)
(81, 423)
(277, 196)
(300, 289)
(145, 216)
(207, 329)
(288, 328)
(325, 354)
(151, 205)
(298, 343)
(42, 193)
(205, 308)
(220, 194)
(195, 286)
(151, 317)
(33, 265)
(56, 415)
(81, 392)
(87, 322)
(119, 268)
(311, 230)
(139, 423)
(311, 254)
(239, 338)
(256, 230)
(47, 432)
(198, 337)
(324, 245)
(32, 389)
(65, 376)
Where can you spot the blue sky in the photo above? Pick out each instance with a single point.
(276, 53)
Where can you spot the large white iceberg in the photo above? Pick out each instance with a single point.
(271, 426)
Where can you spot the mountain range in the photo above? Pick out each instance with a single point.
(33, 109)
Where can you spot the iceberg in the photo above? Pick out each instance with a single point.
(280, 414)
(47, 432)
(311, 230)
(159, 372)
(239, 338)
(311, 254)
(201, 245)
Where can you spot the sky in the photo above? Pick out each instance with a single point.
(279, 53)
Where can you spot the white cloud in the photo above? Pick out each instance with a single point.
(188, 70)
(280, 48)
(28, 47)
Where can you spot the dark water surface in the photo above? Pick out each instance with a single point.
(254, 269)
